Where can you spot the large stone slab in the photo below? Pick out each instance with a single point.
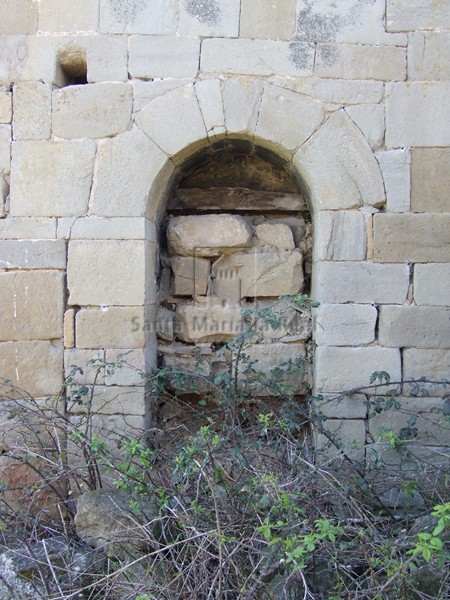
(128, 367)
(245, 93)
(414, 326)
(32, 110)
(32, 254)
(360, 282)
(21, 228)
(106, 228)
(395, 167)
(371, 120)
(428, 54)
(409, 15)
(156, 17)
(345, 324)
(19, 17)
(31, 305)
(5, 107)
(432, 284)
(51, 178)
(340, 235)
(276, 235)
(65, 15)
(335, 91)
(207, 235)
(13, 49)
(219, 18)
(209, 96)
(269, 20)
(211, 322)
(416, 114)
(430, 179)
(92, 111)
(156, 56)
(411, 238)
(428, 363)
(190, 275)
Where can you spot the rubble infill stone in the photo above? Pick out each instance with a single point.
(207, 235)
(414, 326)
(91, 111)
(411, 238)
(191, 275)
(277, 235)
(204, 323)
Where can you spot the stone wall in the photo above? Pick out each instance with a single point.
(103, 103)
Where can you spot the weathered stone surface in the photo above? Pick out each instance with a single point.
(75, 359)
(370, 119)
(416, 114)
(4, 195)
(107, 58)
(277, 235)
(5, 148)
(179, 108)
(190, 275)
(126, 167)
(360, 282)
(355, 61)
(128, 366)
(278, 117)
(432, 284)
(69, 328)
(32, 254)
(106, 228)
(112, 327)
(345, 324)
(152, 57)
(191, 359)
(32, 110)
(428, 54)
(219, 18)
(110, 272)
(19, 17)
(207, 235)
(257, 57)
(408, 15)
(348, 434)
(238, 91)
(27, 228)
(165, 324)
(396, 174)
(35, 367)
(94, 110)
(430, 179)
(269, 20)
(414, 326)
(64, 15)
(413, 238)
(429, 363)
(144, 16)
(31, 305)
(210, 322)
(51, 178)
(13, 49)
(353, 407)
(209, 96)
(340, 235)
(146, 91)
(335, 91)
(258, 274)
(324, 159)
(5, 107)
(293, 325)
(340, 369)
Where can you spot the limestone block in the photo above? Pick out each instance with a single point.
(51, 178)
(416, 114)
(209, 96)
(69, 328)
(117, 400)
(112, 327)
(179, 108)
(335, 91)
(278, 117)
(277, 235)
(360, 282)
(345, 324)
(409, 15)
(32, 254)
(138, 16)
(268, 358)
(106, 228)
(395, 167)
(258, 274)
(340, 235)
(146, 91)
(246, 94)
(31, 305)
(19, 17)
(348, 434)
(207, 235)
(32, 110)
(190, 275)
(14, 53)
(432, 284)
(24, 228)
(94, 110)
(5, 107)
(107, 58)
(256, 57)
(353, 407)
(152, 57)
(219, 18)
(413, 238)
(165, 324)
(429, 363)
(212, 322)
(35, 367)
(340, 369)
(128, 367)
(370, 119)
(355, 61)
(191, 359)
(110, 272)
(4, 197)
(126, 167)
(324, 160)
(414, 326)
(5, 148)
(65, 15)
(268, 20)
(92, 372)
(430, 179)
(428, 54)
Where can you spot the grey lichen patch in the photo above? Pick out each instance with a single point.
(205, 11)
(328, 53)
(300, 54)
(126, 10)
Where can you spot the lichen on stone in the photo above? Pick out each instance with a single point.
(205, 11)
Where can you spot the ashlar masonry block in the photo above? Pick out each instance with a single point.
(19, 17)
(51, 179)
(5, 107)
(395, 167)
(430, 180)
(209, 96)
(161, 56)
(65, 15)
(129, 366)
(428, 54)
(22, 228)
(414, 326)
(207, 19)
(239, 91)
(345, 324)
(371, 120)
(32, 254)
(154, 17)
(410, 15)
(432, 284)
(32, 110)
(74, 358)
(431, 363)
(5, 148)
(268, 20)
(340, 235)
